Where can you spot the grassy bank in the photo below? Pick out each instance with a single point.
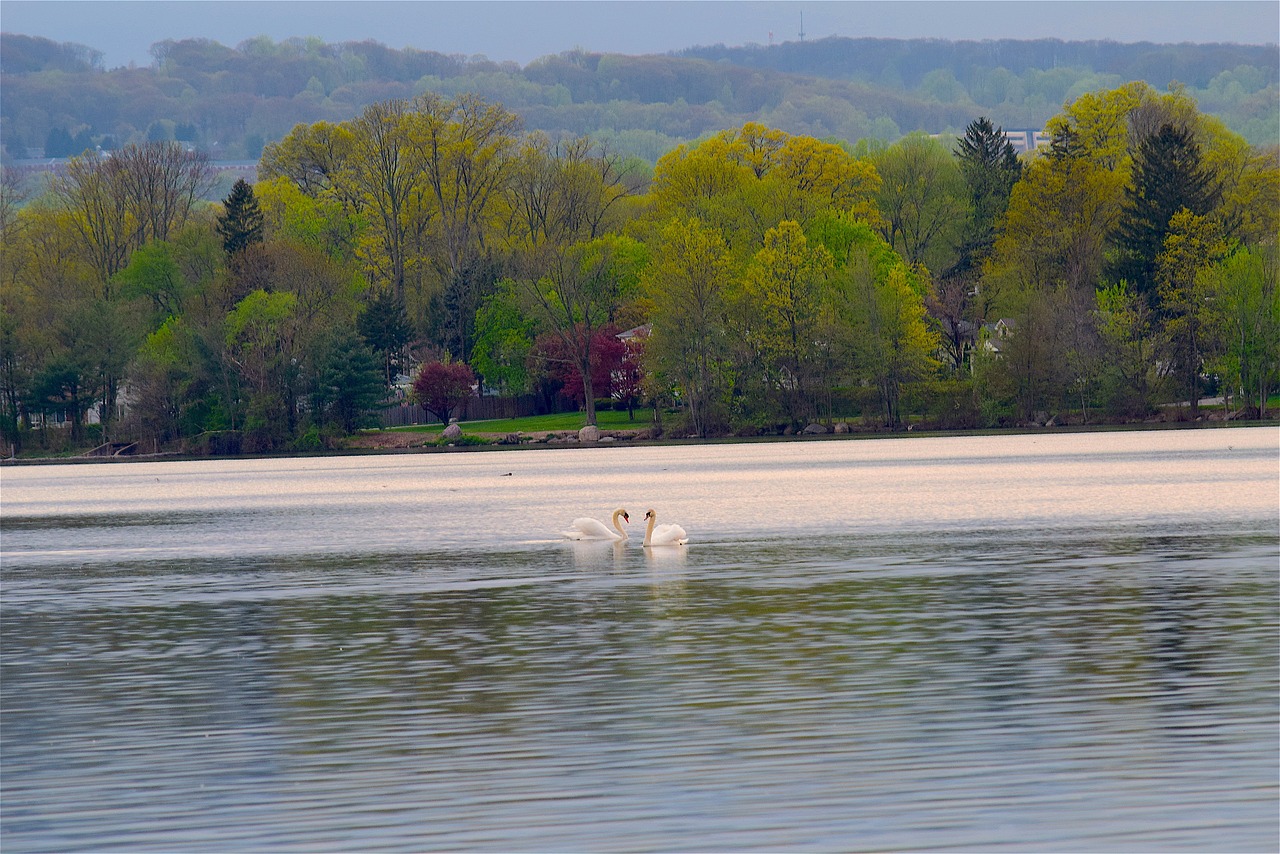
(562, 428)
(561, 422)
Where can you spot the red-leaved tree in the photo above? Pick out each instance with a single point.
(442, 387)
(627, 381)
(608, 364)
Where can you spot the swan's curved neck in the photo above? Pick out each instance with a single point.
(648, 532)
(617, 526)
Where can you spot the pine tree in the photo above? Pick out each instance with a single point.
(384, 326)
(240, 223)
(348, 386)
(990, 167)
(1065, 144)
(1168, 176)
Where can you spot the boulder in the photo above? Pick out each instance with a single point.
(590, 433)
(453, 431)
(814, 429)
(842, 427)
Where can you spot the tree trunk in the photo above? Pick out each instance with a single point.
(588, 392)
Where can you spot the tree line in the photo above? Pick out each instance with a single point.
(753, 282)
(232, 101)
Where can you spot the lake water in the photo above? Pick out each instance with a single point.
(1037, 643)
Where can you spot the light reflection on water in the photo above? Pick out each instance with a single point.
(1030, 643)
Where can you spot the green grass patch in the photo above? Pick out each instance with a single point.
(568, 422)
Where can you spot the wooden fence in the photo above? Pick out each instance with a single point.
(477, 409)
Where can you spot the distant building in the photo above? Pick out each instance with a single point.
(993, 337)
(1024, 141)
(640, 332)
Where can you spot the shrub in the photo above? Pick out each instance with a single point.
(944, 404)
(310, 440)
(463, 441)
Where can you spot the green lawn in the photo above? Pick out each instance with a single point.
(563, 421)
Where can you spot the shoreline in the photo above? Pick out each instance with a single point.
(613, 441)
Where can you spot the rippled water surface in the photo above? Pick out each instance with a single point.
(1049, 642)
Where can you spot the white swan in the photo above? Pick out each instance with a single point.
(586, 528)
(663, 535)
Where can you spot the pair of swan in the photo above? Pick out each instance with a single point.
(592, 529)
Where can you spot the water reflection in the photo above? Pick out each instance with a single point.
(666, 559)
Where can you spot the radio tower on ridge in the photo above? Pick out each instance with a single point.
(802, 26)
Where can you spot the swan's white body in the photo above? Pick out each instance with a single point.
(663, 535)
(586, 528)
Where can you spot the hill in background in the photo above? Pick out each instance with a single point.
(231, 101)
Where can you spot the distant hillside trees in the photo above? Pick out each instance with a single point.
(230, 101)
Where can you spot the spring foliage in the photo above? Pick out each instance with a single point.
(774, 279)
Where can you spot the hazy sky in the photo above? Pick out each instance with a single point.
(523, 30)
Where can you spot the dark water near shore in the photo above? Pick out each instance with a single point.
(1050, 642)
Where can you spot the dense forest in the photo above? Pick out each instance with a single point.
(231, 102)
(753, 281)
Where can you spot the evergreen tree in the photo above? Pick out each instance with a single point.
(1066, 144)
(1168, 176)
(348, 386)
(384, 326)
(240, 223)
(990, 167)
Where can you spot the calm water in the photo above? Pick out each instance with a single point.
(1049, 642)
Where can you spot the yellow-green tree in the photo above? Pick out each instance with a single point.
(744, 182)
(117, 204)
(879, 303)
(1057, 230)
(777, 315)
(1099, 122)
(70, 316)
(259, 340)
(573, 271)
(1193, 246)
(1250, 182)
(565, 192)
(688, 282)
(310, 157)
(810, 177)
(465, 148)
(320, 221)
(709, 181)
(1246, 308)
(1096, 212)
(921, 200)
(422, 185)
(383, 180)
(1129, 340)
